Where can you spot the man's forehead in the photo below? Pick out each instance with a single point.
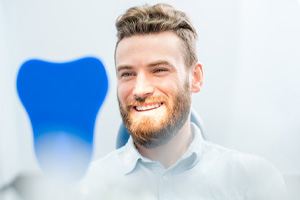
(146, 49)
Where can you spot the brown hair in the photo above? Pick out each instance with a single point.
(155, 19)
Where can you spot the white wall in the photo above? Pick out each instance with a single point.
(266, 95)
(9, 152)
(250, 51)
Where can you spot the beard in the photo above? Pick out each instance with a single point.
(152, 131)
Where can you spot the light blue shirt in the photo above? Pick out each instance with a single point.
(205, 172)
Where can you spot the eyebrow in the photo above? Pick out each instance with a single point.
(152, 64)
(160, 62)
(123, 67)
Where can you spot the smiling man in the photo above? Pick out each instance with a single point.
(154, 93)
(166, 158)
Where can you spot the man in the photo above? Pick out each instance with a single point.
(165, 158)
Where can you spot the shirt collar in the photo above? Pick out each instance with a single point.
(130, 156)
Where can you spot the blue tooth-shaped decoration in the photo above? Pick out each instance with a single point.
(62, 101)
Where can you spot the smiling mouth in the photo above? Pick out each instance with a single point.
(147, 107)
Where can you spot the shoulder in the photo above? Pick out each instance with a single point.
(101, 176)
(101, 169)
(107, 164)
(247, 161)
(259, 177)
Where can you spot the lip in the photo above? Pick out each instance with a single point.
(147, 107)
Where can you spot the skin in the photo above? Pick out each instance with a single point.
(152, 67)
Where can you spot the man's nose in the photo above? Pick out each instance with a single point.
(143, 87)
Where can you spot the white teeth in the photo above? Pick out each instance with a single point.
(149, 107)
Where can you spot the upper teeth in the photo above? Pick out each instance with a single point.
(148, 107)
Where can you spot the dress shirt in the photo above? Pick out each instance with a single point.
(206, 171)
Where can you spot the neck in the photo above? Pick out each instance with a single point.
(173, 150)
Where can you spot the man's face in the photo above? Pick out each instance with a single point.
(153, 87)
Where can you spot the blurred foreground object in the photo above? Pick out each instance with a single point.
(62, 101)
(36, 187)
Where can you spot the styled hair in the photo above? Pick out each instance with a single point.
(159, 18)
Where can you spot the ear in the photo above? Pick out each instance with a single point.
(197, 78)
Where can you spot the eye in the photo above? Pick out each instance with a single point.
(160, 70)
(126, 74)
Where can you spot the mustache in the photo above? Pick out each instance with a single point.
(140, 101)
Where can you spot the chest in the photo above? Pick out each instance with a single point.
(193, 184)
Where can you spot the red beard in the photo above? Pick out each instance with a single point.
(152, 131)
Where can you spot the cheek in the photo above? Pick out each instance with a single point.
(169, 87)
(123, 91)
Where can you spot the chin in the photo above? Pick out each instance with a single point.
(151, 133)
